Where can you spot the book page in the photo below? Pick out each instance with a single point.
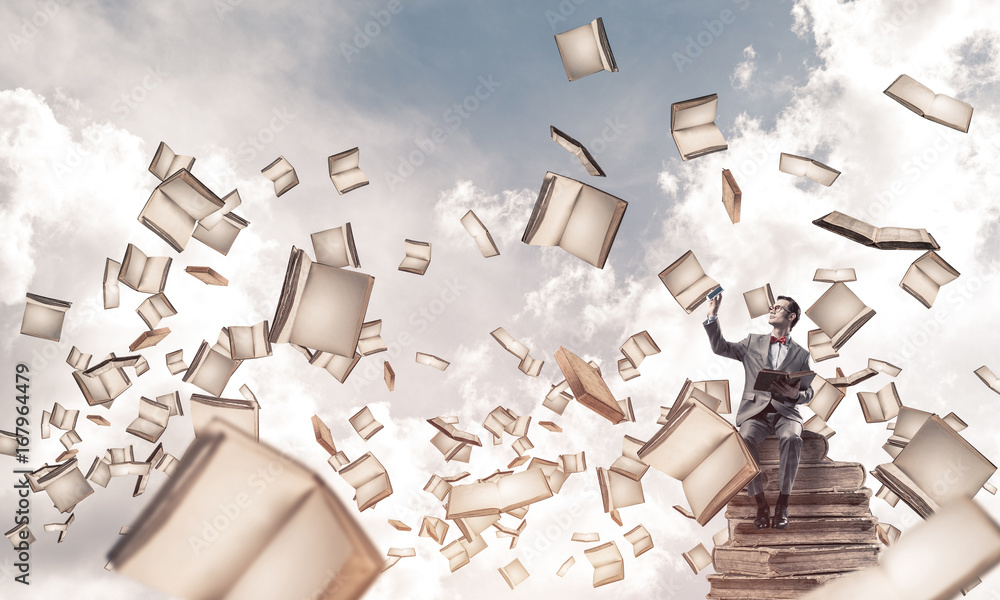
(711, 476)
(681, 446)
(580, 52)
(331, 310)
(911, 94)
(951, 112)
(931, 456)
(698, 139)
(588, 224)
(692, 113)
(835, 309)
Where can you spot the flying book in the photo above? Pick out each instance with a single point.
(766, 379)
(692, 125)
(334, 364)
(110, 289)
(282, 174)
(855, 378)
(335, 247)
(820, 345)
(155, 308)
(826, 397)
(369, 479)
(207, 275)
(365, 424)
(151, 422)
(580, 219)
(626, 370)
(989, 378)
(165, 163)
(241, 414)
(883, 367)
(801, 166)
(934, 107)
(492, 498)
(588, 386)
(432, 361)
(585, 50)
(759, 301)
(514, 573)
(731, 196)
(687, 282)
(149, 338)
(104, 382)
(637, 347)
(146, 274)
(640, 539)
(173, 403)
(321, 307)
(176, 205)
(718, 390)
(292, 539)
(43, 317)
(698, 558)
(619, 490)
(389, 375)
(925, 277)
(249, 342)
(418, 257)
(608, 564)
(835, 275)
(484, 241)
(64, 483)
(371, 340)
(840, 314)
(212, 366)
(344, 171)
(578, 150)
(883, 238)
(880, 406)
(706, 454)
(818, 425)
(62, 418)
(936, 467)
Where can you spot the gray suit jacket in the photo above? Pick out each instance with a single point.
(752, 352)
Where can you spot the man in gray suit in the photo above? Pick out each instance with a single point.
(775, 411)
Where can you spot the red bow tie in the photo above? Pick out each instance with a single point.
(781, 340)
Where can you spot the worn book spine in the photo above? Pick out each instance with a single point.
(825, 530)
(809, 504)
(742, 587)
(781, 561)
(826, 476)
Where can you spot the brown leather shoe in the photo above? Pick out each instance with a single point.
(780, 520)
(763, 520)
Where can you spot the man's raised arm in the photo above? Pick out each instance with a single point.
(719, 345)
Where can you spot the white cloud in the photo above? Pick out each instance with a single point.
(740, 78)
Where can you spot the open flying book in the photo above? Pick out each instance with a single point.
(287, 536)
(369, 479)
(321, 307)
(248, 341)
(880, 406)
(580, 219)
(578, 150)
(826, 397)
(925, 277)
(490, 498)
(820, 345)
(282, 174)
(687, 282)
(418, 257)
(345, 172)
(835, 275)
(43, 317)
(732, 196)
(802, 166)
(484, 241)
(176, 205)
(937, 466)
(692, 125)
(883, 238)
(335, 247)
(934, 107)
(706, 454)
(64, 483)
(766, 378)
(104, 382)
(585, 50)
(146, 274)
(212, 366)
(989, 378)
(165, 163)
(155, 308)
(840, 314)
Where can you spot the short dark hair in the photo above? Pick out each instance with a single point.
(793, 309)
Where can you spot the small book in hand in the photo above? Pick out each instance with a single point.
(768, 377)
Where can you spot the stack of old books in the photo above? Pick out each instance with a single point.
(831, 529)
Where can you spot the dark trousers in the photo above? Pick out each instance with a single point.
(789, 433)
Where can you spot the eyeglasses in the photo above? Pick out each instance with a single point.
(777, 307)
